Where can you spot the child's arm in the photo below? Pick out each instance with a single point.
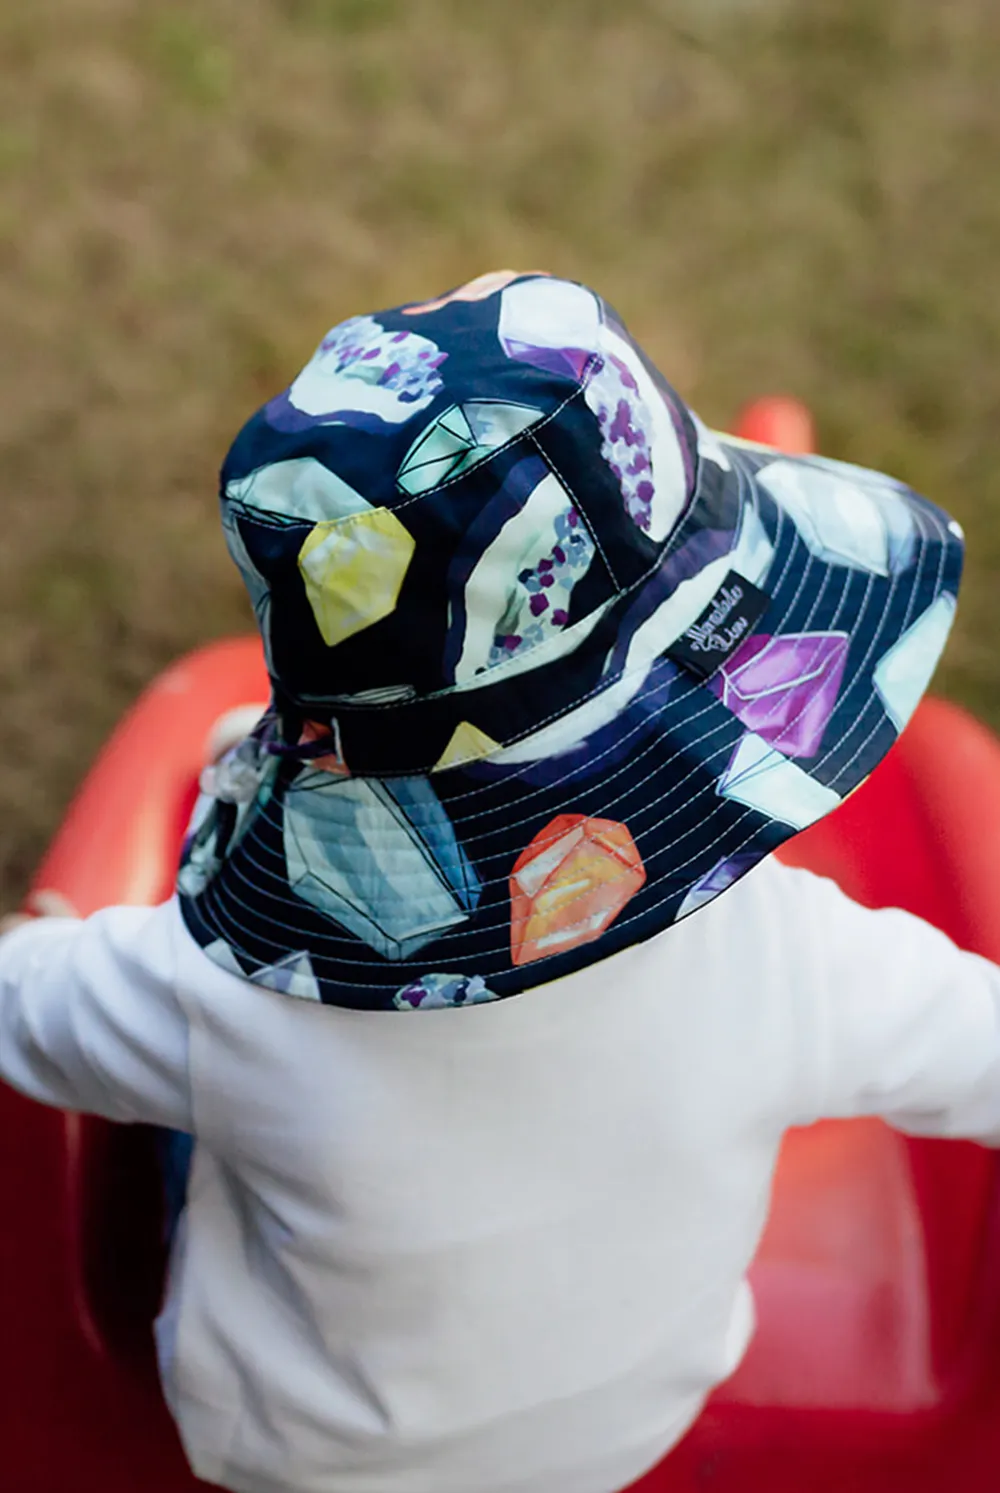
(89, 1015)
(899, 1021)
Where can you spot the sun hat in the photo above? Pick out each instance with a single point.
(553, 664)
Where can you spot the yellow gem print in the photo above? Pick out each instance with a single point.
(467, 744)
(353, 569)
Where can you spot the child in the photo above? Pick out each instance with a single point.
(553, 667)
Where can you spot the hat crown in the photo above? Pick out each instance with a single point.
(454, 494)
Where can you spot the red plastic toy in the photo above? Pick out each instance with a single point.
(876, 1366)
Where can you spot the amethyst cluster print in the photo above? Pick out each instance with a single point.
(517, 598)
(361, 375)
(546, 588)
(613, 395)
(437, 992)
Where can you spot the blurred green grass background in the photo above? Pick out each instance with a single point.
(778, 195)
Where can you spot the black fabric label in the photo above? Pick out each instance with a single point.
(726, 622)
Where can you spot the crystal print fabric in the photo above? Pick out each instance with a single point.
(302, 489)
(520, 592)
(570, 883)
(256, 584)
(613, 395)
(436, 992)
(904, 671)
(393, 878)
(635, 671)
(474, 290)
(557, 326)
(363, 375)
(353, 569)
(714, 882)
(292, 975)
(482, 536)
(460, 439)
(467, 744)
(762, 779)
(785, 689)
(540, 606)
(843, 520)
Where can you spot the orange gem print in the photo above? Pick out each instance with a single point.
(332, 761)
(570, 884)
(475, 290)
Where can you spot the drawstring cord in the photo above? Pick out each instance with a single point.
(236, 778)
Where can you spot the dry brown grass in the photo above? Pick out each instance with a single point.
(778, 194)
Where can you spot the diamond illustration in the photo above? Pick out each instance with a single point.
(719, 879)
(786, 688)
(904, 672)
(353, 569)
(221, 954)
(292, 975)
(437, 992)
(570, 884)
(300, 489)
(762, 779)
(381, 859)
(863, 524)
(461, 438)
(467, 744)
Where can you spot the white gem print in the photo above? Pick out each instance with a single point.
(904, 672)
(863, 525)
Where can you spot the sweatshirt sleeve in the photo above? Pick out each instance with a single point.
(89, 1016)
(904, 1024)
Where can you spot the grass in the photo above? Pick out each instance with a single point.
(787, 195)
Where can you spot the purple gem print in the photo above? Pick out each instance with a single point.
(785, 689)
(551, 324)
(716, 881)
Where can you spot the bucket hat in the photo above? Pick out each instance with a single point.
(553, 664)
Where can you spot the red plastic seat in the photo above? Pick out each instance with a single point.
(81, 1264)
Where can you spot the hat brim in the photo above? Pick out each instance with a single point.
(637, 806)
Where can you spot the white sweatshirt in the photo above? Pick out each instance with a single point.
(501, 1249)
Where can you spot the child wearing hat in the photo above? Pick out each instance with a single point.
(486, 1074)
